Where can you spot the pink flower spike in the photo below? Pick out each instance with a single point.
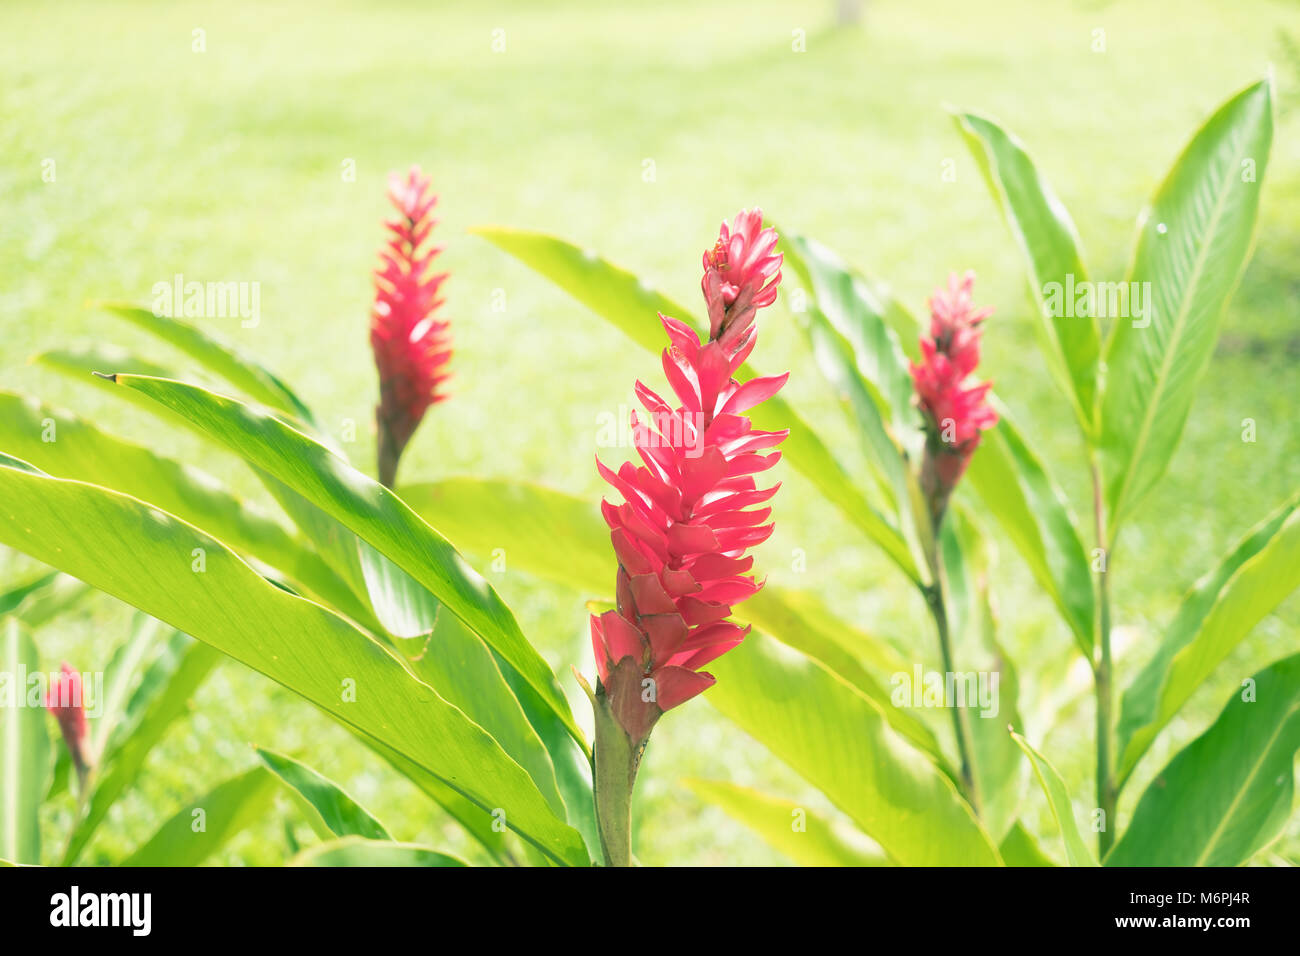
(64, 700)
(681, 534)
(954, 405)
(411, 347)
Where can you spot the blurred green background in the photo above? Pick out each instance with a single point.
(228, 165)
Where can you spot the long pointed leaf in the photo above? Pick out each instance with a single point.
(839, 741)
(1229, 792)
(1193, 242)
(355, 851)
(236, 367)
(1214, 618)
(808, 838)
(460, 667)
(859, 355)
(1077, 851)
(1014, 485)
(1050, 245)
(331, 808)
(83, 452)
(204, 826)
(995, 759)
(24, 748)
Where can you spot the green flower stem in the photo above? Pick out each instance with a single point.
(1107, 792)
(617, 758)
(387, 457)
(934, 600)
(960, 725)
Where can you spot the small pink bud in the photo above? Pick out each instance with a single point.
(741, 275)
(64, 700)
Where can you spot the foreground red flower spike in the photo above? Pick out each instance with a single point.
(689, 513)
(411, 347)
(687, 516)
(955, 407)
(681, 534)
(64, 700)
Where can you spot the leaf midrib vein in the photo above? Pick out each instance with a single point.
(1254, 770)
(1184, 310)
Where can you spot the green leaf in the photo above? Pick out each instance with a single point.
(632, 306)
(162, 697)
(802, 621)
(1229, 792)
(19, 593)
(572, 764)
(477, 822)
(1215, 616)
(860, 356)
(85, 453)
(806, 837)
(463, 669)
(460, 667)
(81, 362)
(401, 608)
(143, 556)
(1077, 852)
(369, 510)
(355, 851)
(1016, 488)
(85, 365)
(122, 676)
(1019, 848)
(845, 302)
(41, 606)
(894, 792)
(24, 747)
(329, 809)
(402, 605)
(1193, 242)
(1047, 239)
(554, 535)
(236, 367)
(222, 813)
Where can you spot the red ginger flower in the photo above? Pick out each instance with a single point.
(681, 534)
(955, 407)
(411, 347)
(64, 700)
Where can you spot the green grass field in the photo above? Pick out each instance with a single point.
(228, 164)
